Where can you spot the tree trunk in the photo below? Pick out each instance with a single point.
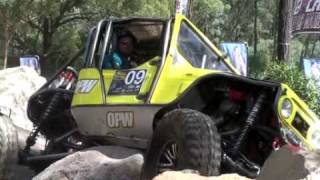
(314, 44)
(6, 41)
(6, 49)
(255, 28)
(274, 34)
(306, 46)
(46, 46)
(284, 29)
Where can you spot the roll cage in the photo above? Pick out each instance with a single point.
(102, 34)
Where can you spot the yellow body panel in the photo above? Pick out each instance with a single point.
(175, 79)
(298, 107)
(178, 74)
(94, 96)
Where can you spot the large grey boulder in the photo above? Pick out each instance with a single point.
(119, 163)
(283, 164)
(17, 85)
(288, 164)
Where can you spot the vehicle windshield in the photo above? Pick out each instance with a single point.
(192, 47)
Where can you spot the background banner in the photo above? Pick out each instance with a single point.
(311, 67)
(306, 16)
(182, 6)
(238, 54)
(30, 61)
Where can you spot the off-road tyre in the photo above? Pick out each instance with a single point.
(8, 148)
(197, 141)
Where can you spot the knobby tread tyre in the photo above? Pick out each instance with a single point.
(197, 139)
(8, 148)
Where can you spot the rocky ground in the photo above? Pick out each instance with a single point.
(110, 162)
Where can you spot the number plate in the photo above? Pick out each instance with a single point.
(127, 82)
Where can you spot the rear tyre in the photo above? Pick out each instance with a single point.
(8, 148)
(184, 139)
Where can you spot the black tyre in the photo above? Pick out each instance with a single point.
(8, 148)
(184, 139)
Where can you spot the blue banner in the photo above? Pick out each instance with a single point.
(30, 61)
(311, 67)
(238, 54)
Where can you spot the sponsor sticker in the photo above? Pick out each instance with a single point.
(123, 119)
(85, 86)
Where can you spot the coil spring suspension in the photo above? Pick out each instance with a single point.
(31, 140)
(249, 122)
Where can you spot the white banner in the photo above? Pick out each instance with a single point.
(182, 6)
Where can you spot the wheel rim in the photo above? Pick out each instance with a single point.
(168, 157)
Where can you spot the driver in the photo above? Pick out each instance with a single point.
(122, 57)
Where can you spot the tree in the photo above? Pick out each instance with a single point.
(255, 29)
(209, 16)
(284, 29)
(10, 14)
(129, 8)
(50, 29)
(55, 30)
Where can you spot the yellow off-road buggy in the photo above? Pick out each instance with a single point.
(183, 104)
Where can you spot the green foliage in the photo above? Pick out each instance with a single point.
(264, 55)
(209, 16)
(55, 30)
(296, 47)
(291, 75)
(149, 8)
(129, 8)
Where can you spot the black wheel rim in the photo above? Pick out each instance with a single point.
(168, 158)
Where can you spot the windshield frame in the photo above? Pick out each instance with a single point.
(221, 56)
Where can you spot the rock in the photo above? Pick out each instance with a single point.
(312, 164)
(23, 173)
(177, 175)
(93, 164)
(283, 164)
(313, 176)
(17, 85)
(116, 152)
(311, 160)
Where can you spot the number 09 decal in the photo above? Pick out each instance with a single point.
(127, 82)
(135, 77)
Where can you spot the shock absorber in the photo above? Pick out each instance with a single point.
(249, 122)
(31, 140)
